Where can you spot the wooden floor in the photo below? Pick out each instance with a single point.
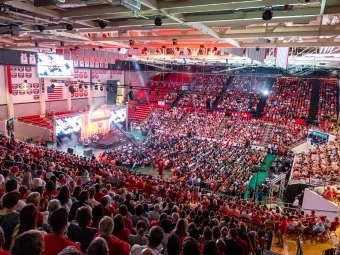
(308, 248)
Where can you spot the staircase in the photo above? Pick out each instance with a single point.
(314, 102)
(221, 128)
(263, 99)
(224, 90)
(141, 113)
(266, 135)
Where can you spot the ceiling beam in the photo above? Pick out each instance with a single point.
(289, 44)
(95, 10)
(30, 8)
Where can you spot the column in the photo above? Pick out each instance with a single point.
(69, 101)
(42, 97)
(9, 95)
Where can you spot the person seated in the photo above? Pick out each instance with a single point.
(335, 224)
(319, 227)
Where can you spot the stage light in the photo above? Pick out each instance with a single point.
(69, 27)
(107, 88)
(93, 49)
(101, 88)
(80, 86)
(52, 86)
(174, 41)
(62, 44)
(66, 84)
(96, 87)
(91, 87)
(36, 44)
(85, 86)
(41, 28)
(267, 14)
(265, 92)
(77, 48)
(158, 22)
(131, 42)
(102, 24)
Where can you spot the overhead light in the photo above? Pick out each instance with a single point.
(62, 44)
(158, 21)
(131, 42)
(267, 13)
(80, 86)
(41, 28)
(96, 87)
(52, 86)
(107, 88)
(77, 48)
(101, 88)
(36, 44)
(85, 86)
(69, 27)
(174, 41)
(102, 24)
(93, 49)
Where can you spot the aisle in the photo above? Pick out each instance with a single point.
(262, 175)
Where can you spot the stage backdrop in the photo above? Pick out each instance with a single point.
(96, 122)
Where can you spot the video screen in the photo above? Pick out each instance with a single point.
(51, 65)
(68, 126)
(317, 138)
(118, 115)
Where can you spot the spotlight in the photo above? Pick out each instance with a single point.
(101, 88)
(267, 14)
(265, 92)
(100, 47)
(107, 89)
(174, 41)
(158, 22)
(96, 87)
(102, 24)
(41, 28)
(25, 81)
(62, 44)
(66, 84)
(69, 27)
(91, 87)
(131, 42)
(85, 86)
(52, 86)
(36, 44)
(93, 49)
(80, 86)
(77, 48)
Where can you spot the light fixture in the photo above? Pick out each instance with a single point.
(62, 44)
(85, 86)
(91, 87)
(101, 88)
(69, 27)
(174, 41)
(77, 48)
(267, 13)
(80, 86)
(41, 28)
(107, 88)
(36, 44)
(158, 21)
(131, 42)
(52, 86)
(102, 24)
(96, 87)
(93, 49)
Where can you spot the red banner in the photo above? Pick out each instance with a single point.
(9, 78)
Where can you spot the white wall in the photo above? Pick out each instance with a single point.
(24, 109)
(97, 101)
(138, 78)
(79, 103)
(56, 105)
(3, 110)
(26, 131)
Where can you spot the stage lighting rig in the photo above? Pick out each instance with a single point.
(52, 86)
(158, 21)
(96, 87)
(101, 88)
(102, 24)
(62, 44)
(131, 42)
(174, 41)
(41, 28)
(36, 44)
(267, 13)
(69, 27)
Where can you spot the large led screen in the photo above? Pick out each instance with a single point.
(118, 115)
(68, 126)
(50, 65)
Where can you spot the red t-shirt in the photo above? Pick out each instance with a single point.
(50, 194)
(128, 223)
(98, 196)
(283, 226)
(2, 252)
(55, 244)
(116, 246)
(40, 219)
(123, 235)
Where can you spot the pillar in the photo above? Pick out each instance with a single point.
(9, 95)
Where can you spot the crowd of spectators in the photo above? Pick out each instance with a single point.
(328, 102)
(244, 94)
(202, 124)
(320, 163)
(196, 100)
(167, 119)
(210, 83)
(281, 103)
(285, 135)
(238, 129)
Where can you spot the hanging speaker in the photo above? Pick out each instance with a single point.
(71, 89)
(131, 95)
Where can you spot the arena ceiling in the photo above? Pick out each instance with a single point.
(204, 30)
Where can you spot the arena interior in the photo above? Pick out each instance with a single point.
(178, 127)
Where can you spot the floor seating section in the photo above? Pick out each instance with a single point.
(36, 120)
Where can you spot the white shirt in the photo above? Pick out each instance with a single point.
(296, 202)
(137, 250)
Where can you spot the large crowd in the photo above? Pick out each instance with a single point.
(280, 102)
(321, 163)
(244, 94)
(328, 102)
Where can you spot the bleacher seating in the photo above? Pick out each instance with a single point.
(141, 112)
(328, 100)
(36, 120)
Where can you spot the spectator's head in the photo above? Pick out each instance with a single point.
(70, 250)
(98, 246)
(166, 225)
(33, 198)
(28, 218)
(173, 246)
(53, 205)
(29, 243)
(84, 196)
(156, 235)
(97, 212)
(64, 195)
(59, 220)
(83, 216)
(190, 247)
(220, 245)
(210, 248)
(106, 226)
(50, 186)
(92, 192)
(123, 210)
(139, 210)
(11, 199)
(11, 185)
(118, 224)
(233, 234)
(141, 227)
(207, 234)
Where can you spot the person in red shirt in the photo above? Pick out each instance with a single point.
(282, 230)
(127, 222)
(2, 241)
(56, 242)
(116, 246)
(98, 196)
